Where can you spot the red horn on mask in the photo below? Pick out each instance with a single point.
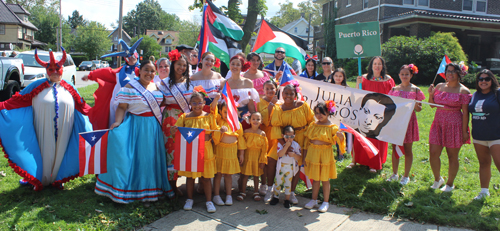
(63, 59)
(42, 63)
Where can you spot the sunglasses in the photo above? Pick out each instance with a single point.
(326, 63)
(279, 52)
(481, 79)
(288, 137)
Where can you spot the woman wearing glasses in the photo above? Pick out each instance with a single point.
(328, 67)
(485, 110)
(450, 126)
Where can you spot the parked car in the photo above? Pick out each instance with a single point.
(97, 63)
(87, 66)
(33, 71)
(11, 76)
(105, 64)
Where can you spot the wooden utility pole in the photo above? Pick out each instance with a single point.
(120, 25)
(309, 27)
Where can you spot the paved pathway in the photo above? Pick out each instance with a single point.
(243, 216)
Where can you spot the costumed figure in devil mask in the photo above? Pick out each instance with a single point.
(110, 81)
(39, 128)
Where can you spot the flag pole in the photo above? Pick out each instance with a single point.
(434, 79)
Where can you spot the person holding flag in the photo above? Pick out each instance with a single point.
(207, 78)
(198, 118)
(295, 113)
(39, 128)
(450, 128)
(136, 150)
(406, 90)
(279, 66)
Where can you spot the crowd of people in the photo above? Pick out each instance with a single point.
(145, 105)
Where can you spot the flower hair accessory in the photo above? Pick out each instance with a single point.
(413, 68)
(463, 68)
(217, 63)
(297, 87)
(200, 90)
(246, 117)
(246, 66)
(330, 105)
(174, 55)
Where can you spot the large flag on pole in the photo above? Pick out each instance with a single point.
(218, 34)
(93, 152)
(232, 110)
(442, 66)
(271, 37)
(189, 149)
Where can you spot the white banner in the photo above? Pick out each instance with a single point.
(374, 115)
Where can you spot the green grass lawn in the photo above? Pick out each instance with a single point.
(78, 207)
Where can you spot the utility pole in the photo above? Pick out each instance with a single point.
(120, 24)
(309, 31)
(60, 26)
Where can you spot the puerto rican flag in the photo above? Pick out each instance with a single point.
(305, 178)
(442, 67)
(232, 111)
(93, 152)
(367, 146)
(400, 151)
(189, 149)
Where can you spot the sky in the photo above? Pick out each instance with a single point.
(107, 11)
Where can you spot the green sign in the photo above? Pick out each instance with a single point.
(358, 40)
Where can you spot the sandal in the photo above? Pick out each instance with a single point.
(256, 196)
(241, 196)
(372, 170)
(350, 165)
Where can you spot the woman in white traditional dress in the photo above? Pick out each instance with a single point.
(136, 151)
(207, 78)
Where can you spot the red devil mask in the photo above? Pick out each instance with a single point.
(52, 66)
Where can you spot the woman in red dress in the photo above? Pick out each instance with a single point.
(375, 80)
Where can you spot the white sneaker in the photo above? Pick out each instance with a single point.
(447, 188)
(438, 184)
(229, 200)
(263, 189)
(404, 180)
(218, 201)
(189, 204)
(269, 193)
(324, 207)
(293, 199)
(311, 204)
(394, 177)
(482, 195)
(210, 207)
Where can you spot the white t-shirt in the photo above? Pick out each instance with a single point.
(287, 159)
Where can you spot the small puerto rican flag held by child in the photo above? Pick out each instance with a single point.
(305, 178)
(232, 111)
(93, 152)
(189, 149)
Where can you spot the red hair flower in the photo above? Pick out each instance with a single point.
(413, 68)
(330, 105)
(246, 66)
(174, 55)
(200, 90)
(217, 63)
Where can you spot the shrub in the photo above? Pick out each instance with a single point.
(426, 53)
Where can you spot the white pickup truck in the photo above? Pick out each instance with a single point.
(11, 76)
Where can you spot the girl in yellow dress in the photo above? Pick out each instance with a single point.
(319, 159)
(229, 154)
(267, 179)
(197, 118)
(297, 114)
(255, 156)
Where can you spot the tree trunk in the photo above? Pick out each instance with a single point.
(250, 22)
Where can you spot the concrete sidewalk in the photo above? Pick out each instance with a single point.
(242, 215)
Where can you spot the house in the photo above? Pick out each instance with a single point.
(114, 36)
(167, 39)
(300, 28)
(15, 28)
(476, 23)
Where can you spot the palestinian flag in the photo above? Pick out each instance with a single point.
(224, 24)
(271, 37)
(215, 40)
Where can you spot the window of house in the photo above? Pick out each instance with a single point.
(416, 2)
(307, 30)
(365, 4)
(348, 3)
(168, 41)
(408, 2)
(295, 30)
(423, 3)
(475, 5)
(2, 29)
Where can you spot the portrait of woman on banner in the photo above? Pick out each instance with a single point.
(375, 112)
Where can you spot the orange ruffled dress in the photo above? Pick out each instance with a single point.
(226, 155)
(266, 127)
(297, 118)
(320, 159)
(255, 154)
(203, 122)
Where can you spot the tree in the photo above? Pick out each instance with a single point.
(46, 19)
(255, 8)
(313, 9)
(92, 39)
(149, 46)
(76, 20)
(148, 15)
(188, 34)
(285, 15)
(28, 4)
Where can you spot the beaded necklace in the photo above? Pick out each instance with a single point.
(56, 109)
